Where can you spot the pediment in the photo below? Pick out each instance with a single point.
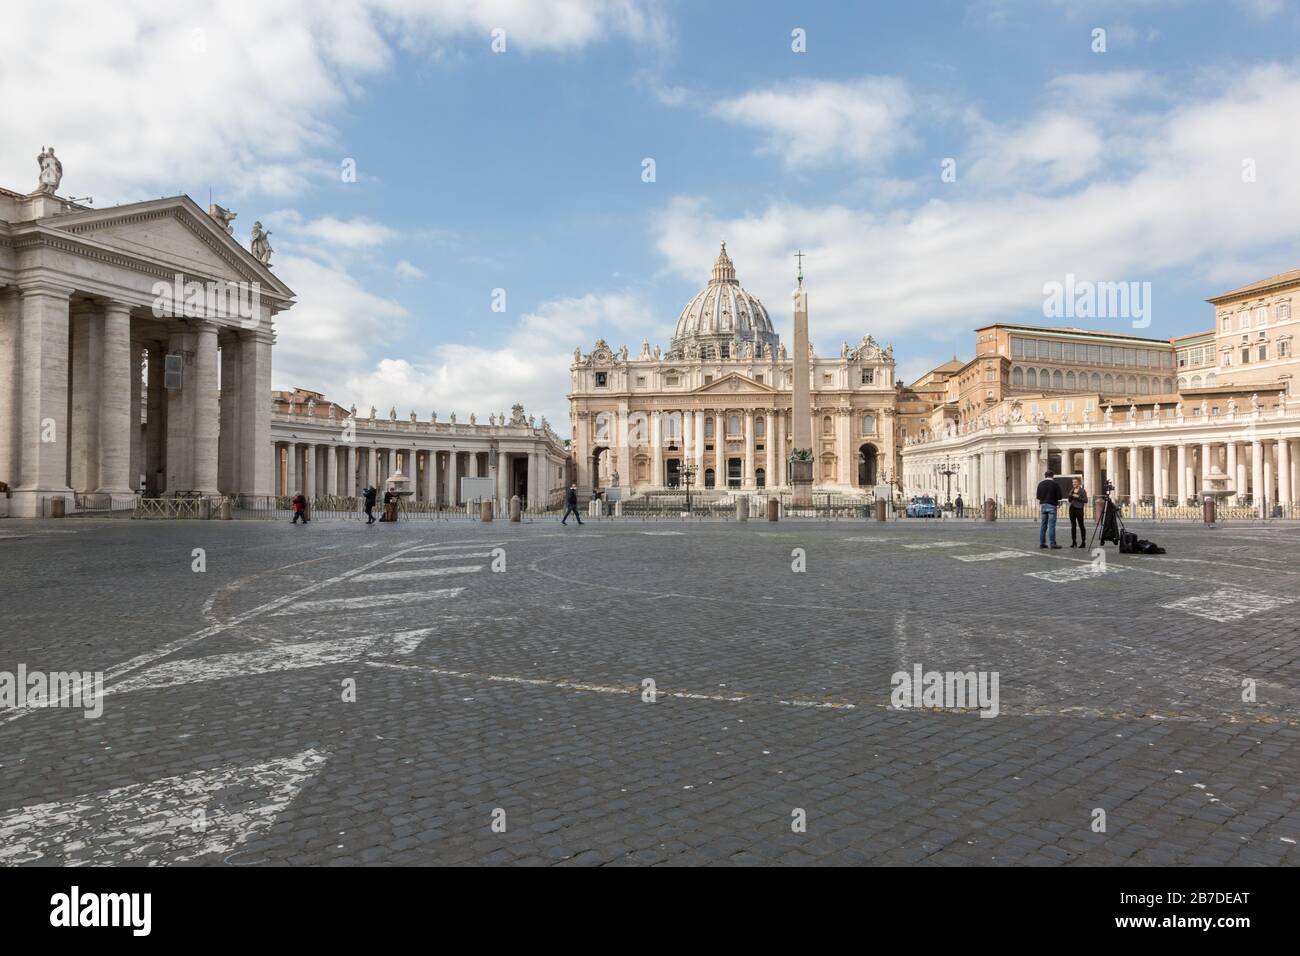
(734, 384)
(173, 233)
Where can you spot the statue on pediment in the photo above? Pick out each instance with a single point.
(372, 413)
(392, 414)
(577, 355)
(645, 348)
(413, 418)
(352, 412)
(311, 408)
(1232, 406)
(1109, 415)
(433, 418)
(622, 354)
(51, 171)
(532, 421)
(658, 354)
(259, 244)
(1132, 413)
(1254, 403)
(452, 418)
(517, 414)
(473, 420)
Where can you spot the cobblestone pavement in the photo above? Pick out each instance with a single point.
(513, 700)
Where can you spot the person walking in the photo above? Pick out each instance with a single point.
(961, 507)
(571, 505)
(299, 502)
(1049, 496)
(368, 496)
(1078, 501)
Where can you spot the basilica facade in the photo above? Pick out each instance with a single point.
(714, 408)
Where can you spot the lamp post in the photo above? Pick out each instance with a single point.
(948, 472)
(688, 478)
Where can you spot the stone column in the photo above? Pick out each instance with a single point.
(1270, 489)
(747, 476)
(453, 477)
(1090, 471)
(699, 450)
(1283, 471)
(207, 411)
(999, 477)
(119, 382)
(310, 488)
(1257, 473)
(1233, 474)
(534, 479)
(10, 387)
(688, 438)
(43, 425)
(503, 477)
(720, 449)
(350, 475)
(83, 428)
(657, 451)
(1204, 465)
(331, 470)
(254, 460)
(471, 465)
(769, 446)
(1157, 476)
(1182, 474)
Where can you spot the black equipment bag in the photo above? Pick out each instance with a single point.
(1128, 543)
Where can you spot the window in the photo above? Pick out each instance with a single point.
(868, 376)
(708, 428)
(671, 381)
(868, 425)
(1284, 311)
(1107, 355)
(758, 377)
(733, 425)
(1067, 353)
(828, 427)
(826, 379)
(1245, 356)
(708, 379)
(726, 351)
(760, 427)
(1261, 316)
(1094, 354)
(1283, 349)
(1058, 380)
(1227, 323)
(640, 381)
(602, 379)
(1263, 353)
(1031, 378)
(1017, 376)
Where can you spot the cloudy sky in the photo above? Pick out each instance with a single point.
(1173, 157)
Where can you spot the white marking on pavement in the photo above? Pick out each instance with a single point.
(278, 657)
(1228, 604)
(416, 573)
(441, 557)
(368, 601)
(1082, 572)
(170, 820)
(936, 544)
(149, 657)
(990, 556)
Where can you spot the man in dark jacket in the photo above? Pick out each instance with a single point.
(961, 507)
(368, 496)
(571, 505)
(1078, 501)
(299, 508)
(1049, 496)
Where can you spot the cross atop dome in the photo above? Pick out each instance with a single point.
(723, 269)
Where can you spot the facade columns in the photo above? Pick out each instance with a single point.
(1089, 471)
(699, 449)
(83, 429)
(207, 410)
(1257, 473)
(309, 471)
(331, 470)
(719, 449)
(453, 477)
(656, 450)
(1157, 486)
(503, 477)
(43, 433)
(747, 477)
(1283, 458)
(1234, 474)
(119, 378)
(769, 446)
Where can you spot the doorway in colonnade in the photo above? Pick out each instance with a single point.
(599, 461)
(733, 472)
(673, 468)
(710, 478)
(867, 466)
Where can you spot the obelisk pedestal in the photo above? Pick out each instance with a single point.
(801, 453)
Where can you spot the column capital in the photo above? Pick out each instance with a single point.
(44, 287)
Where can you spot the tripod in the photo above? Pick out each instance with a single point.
(1109, 524)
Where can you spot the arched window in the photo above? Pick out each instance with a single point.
(1108, 383)
(733, 425)
(1058, 380)
(1069, 380)
(1196, 381)
(1017, 376)
(827, 427)
(1210, 379)
(1132, 384)
(1031, 378)
(868, 425)
(1096, 382)
(708, 428)
(760, 427)
(1044, 378)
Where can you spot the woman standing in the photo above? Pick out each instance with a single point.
(1078, 500)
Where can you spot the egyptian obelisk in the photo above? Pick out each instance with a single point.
(801, 457)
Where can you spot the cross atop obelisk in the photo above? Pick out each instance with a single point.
(801, 452)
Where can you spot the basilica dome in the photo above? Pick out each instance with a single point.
(723, 312)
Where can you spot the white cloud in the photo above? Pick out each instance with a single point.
(142, 98)
(405, 270)
(335, 234)
(1174, 199)
(1052, 150)
(531, 365)
(811, 123)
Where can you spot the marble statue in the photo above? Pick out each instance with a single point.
(1132, 413)
(453, 418)
(51, 171)
(1254, 403)
(433, 418)
(352, 412)
(392, 414)
(1109, 415)
(413, 418)
(1232, 406)
(259, 244)
(372, 413)
(311, 408)
(1178, 410)
(472, 419)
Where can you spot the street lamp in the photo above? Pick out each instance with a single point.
(688, 478)
(948, 471)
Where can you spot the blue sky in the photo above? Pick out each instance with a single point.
(522, 170)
